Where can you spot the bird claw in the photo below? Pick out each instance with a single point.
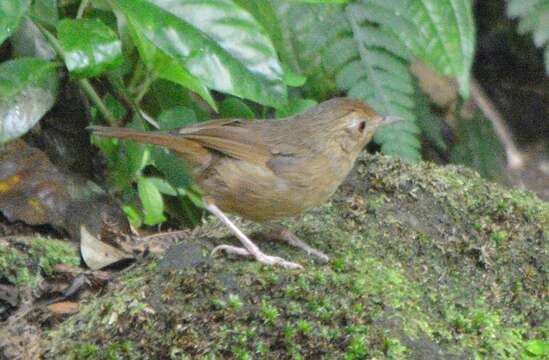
(260, 257)
(229, 249)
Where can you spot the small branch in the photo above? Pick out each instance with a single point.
(82, 8)
(515, 159)
(96, 99)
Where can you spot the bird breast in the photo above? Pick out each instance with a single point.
(286, 187)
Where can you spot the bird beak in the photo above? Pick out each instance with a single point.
(387, 120)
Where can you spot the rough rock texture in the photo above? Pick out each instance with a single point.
(427, 263)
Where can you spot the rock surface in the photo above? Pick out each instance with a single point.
(427, 263)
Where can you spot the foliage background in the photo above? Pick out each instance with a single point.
(163, 64)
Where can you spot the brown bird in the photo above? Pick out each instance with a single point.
(269, 169)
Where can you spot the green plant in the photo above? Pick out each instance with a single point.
(533, 18)
(156, 64)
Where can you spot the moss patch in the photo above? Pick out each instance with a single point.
(25, 263)
(427, 263)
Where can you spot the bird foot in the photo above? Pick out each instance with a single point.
(259, 256)
(283, 234)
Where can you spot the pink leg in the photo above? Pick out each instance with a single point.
(277, 232)
(249, 249)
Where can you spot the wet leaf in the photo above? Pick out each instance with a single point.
(11, 12)
(89, 47)
(28, 41)
(28, 88)
(217, 42)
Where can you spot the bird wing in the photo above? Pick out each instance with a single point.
(236, 138)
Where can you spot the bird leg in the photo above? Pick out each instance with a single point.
(249, 249)
(278, 232)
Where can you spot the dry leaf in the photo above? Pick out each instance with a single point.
(97, 254)
(64, 308)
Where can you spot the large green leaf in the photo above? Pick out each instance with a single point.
(445, 38)
(216, 41)
(11, 12)
(28, 88)
(89, 47)
(166, 67)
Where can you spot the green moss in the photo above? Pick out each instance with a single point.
(26, 263)
(442, 263)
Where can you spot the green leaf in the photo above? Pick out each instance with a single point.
(376, 72)
(45, 11)
(324, 1)
(134, 217)
(293, 79)
(537, 347)
(125, 158)
(176, 117)
(235, 108)
(478, 147)
(11, 12)
(29, 41)
(163, 186)
(295, 106)
(215, 41)
(165, 67)
(89, 47)
(28, 89)
(302, 42)
(169, 94)
(173, 167)
(446, 37)
(429, 123)
(151, 200)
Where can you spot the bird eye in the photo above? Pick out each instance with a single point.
(362, 126)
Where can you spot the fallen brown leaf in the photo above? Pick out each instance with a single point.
(64, 308)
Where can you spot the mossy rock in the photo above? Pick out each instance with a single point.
(427, 262)
(26, 261)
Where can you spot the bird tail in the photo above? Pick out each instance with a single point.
(146, 137)
(189, 149)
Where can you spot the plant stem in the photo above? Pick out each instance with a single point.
(144, 88)
(82, 8)
(96, 99)
(136, 76)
